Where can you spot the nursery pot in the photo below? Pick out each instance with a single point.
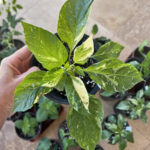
(92, 88)
(138, 55)
(21, 135)
(15, 116)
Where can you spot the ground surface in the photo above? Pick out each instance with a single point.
(124, 21)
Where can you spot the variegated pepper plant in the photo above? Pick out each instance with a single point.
(86, 112)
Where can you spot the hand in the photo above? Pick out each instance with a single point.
(13, 70)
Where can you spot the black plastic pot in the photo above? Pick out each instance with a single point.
(15, 116)
(92, 88)
(138, 55)
(21, 135)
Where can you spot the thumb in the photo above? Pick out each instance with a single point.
(23, 75)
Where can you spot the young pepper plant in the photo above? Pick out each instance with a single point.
(86, 112)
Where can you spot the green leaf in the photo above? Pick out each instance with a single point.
(52, 78)
(121, 120)
(79, 71)
(19, 6)
(106, 134)
(116, 138)
(81, 91)
(44, 144)
(14, 1)
(45, 46)
(108, 51)
(145, 66)
(130, 137)
(134, 102)
(140, 94)
(72, 22)
(86, 129)
(94, 29)
(83, 52)
(28, 91)
(114, 75)
(73, 97)
(122, 144)
(124, 105)
(41, 115)
(111, 127)
(148, 105)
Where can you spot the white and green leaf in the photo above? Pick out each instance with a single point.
(84, 52)
(114, 75)
(45, 46)
(72, 22)
(109, 50)
(84, 127)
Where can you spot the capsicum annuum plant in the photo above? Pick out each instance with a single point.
(86, 112)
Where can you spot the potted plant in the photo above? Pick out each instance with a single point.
(65, 71)
(65, 137)
(47, 144)
(134, 107)
(117, 130)
(27, 127)
(8, 44)
(47, 110)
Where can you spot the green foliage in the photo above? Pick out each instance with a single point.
(136, 106)
(8, 28)
(47, 109)
(94, 29)
(108, 51)
(28, 125)
(117, 131)
(44, 144)
(65, 74)
(67, 140)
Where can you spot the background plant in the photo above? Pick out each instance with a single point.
(86, 112)
(67, 139)
(116, 130)
(47, 109)
(8, 28)
(136, 106)
(44, 144)
(27, 125)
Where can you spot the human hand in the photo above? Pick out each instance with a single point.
(13, 70)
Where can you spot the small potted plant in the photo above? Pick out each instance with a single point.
(134, 107)
(27, 127)
(48, 144)
(8, 44)
(47, 110)
(64, 58)
(65, 137)
(117, 130)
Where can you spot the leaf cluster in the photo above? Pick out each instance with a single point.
(27, 125)
(136, 107)
(64, 65)
(47, 109)
(116, 130)
(8, 28)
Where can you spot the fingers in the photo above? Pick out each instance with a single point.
(21, 54)
(23, 75)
